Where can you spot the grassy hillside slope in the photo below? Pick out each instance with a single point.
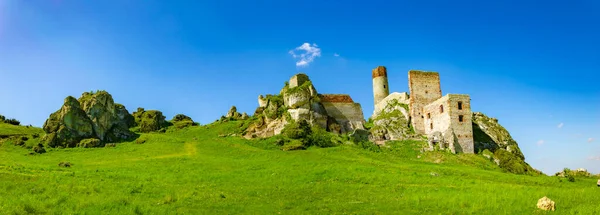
(194, 171)
(8, 129)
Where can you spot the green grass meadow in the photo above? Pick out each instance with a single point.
(194, 171)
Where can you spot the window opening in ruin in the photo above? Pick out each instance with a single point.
(425, 91)
(460, 105)
(431, 125)
(428, 115)
(441, 108)
(383, 86)
(460, 118)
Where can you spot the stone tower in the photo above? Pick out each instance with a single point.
(380, 84)
(424, 88)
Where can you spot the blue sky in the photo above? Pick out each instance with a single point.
(534, 65)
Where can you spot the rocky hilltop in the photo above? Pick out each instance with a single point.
(299, 101)
(494, 142)
(89, 121)
(95, 119)
(392, 122)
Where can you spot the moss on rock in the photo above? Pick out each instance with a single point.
(89, 143)
(182, 121)
(151, 120)
(93, 115)
(489, 135)
(391, 123)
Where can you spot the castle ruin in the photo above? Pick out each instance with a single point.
(445, 118)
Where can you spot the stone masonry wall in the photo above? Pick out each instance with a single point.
(424, 89)
(435, 119)
(336, 98)
(459, 134)
(348, 115)
(298, 80)
(463, 131)
(381, 88)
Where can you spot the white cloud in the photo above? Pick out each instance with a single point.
(540, 142)
(336, 55)
(594, 158)
(306, 54)
(560, 125)
(589, 140)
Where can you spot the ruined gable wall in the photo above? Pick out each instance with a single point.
(448, 122)
(434, 119)
(424, 88)
(463, 131)
(336, 98)
(348, 115)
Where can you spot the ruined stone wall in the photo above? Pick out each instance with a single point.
(455, 131)
(424, 88)
(336, 98)
(435, 119)
(348, 115)
(463, 131)
(298, 80)
(381, 88)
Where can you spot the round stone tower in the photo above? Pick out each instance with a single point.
(380, 84)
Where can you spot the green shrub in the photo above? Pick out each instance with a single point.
(183, 124)
(39, 148)
(320, 137)
(369, 146)
(293, 145)
(570, 178)
(2, 118)
(141, 140)
(19, 141)
(151, 120)
(297, 130)
(181, 117)
(12, 121)
(65, 164)
(510, 162)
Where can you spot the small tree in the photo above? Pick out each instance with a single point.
(12, 121)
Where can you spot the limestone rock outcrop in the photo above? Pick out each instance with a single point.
(383, 105)
(299, 101)
(392, 122)
(182, 121)
(110, 121)
(93, 115)
(150, 120)
(233, 115)
(489, 135)
(302, 103)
